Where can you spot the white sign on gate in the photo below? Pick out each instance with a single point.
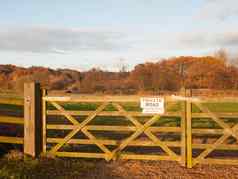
(152, 105)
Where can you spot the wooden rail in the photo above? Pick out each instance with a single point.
(11, 119)
(133, 98)
(11, 140)
(11, 101)
(104, 98)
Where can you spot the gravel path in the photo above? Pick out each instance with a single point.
(160, 169)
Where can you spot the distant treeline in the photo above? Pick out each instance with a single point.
(165, 75)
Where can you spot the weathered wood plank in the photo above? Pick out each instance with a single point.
(219, 147)
(115, 142)
(80, 154)
(11, 101)
(183, 134)
(92, 127)
(32, 119)
(147, 157)
(11, 120)
(136, 98)
(208, 131)
(112, 128)
(219, 99)
(131, 128)
(218, 114)
(12, 140)
(189, 134)
(110, 113)
(44, 122)
(121, 156)
(104, 98)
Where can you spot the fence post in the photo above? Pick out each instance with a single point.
(44, 107)
(183, 127)
(189, 130)
(32, 119)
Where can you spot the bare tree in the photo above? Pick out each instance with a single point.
(222, 55)
(122, 66)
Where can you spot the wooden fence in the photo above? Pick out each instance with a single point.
(11, 120)
(113, 127)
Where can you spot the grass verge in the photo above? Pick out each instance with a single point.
(15, 165)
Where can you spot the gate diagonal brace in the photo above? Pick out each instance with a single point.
(125, 114)
(65, 113)
(226, 127)
(135, 135)
(148, 133)
(228, 131)
(161, 144)
(107, 152)
(79, 126)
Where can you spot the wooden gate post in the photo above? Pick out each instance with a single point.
(183, 126)
(32, 119)
(189, 130)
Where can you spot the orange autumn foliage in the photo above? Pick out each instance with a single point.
(168, 74)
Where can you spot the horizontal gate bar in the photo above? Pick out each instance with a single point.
(219, 161)
(12, 140)
(114, 142)
(135, 113)
(11, 101)
(148, 157)
(110, 113)
(11, 120)
(112, 128)
(80, 154)
(220, 147)
(207, 131)
(121, 156)
(219, 114)
(95, 98)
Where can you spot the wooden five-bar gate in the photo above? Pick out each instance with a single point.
(113, 127)
(139, 134)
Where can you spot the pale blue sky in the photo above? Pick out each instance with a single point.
(82, 34)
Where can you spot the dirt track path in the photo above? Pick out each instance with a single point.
(160, 169)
